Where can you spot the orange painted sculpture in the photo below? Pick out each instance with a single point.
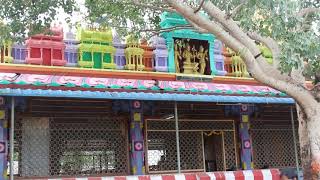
(227, 61)
(46, 50)
(147, 55)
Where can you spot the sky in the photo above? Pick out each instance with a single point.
(76, 17)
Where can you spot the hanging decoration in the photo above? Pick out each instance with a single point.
(213, 133)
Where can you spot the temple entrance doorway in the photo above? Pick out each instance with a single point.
(213, 151)
(46, 55)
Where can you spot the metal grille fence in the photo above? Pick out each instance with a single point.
(191, 151)
(273, 145)
(229, 148)
(220, 156)
(73, 146)
(162, 151)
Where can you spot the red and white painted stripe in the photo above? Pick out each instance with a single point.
(267, 174)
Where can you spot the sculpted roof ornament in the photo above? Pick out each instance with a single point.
(157, 41)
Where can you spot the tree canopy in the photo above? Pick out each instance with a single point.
(20, 18)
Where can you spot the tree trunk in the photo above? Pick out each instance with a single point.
(309, 136)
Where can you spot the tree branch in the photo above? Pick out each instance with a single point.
(231, 26)
(198, 9)
(149, 6)
(196, 27)
(235, 11)
(174, 28)
(241, 36)
(300, 93)
(304, 13)
(275, 50)
(204, 23)
(316, 91)
(270, 43)
(297, 74)
(307, 11)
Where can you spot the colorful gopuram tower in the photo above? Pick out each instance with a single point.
(95, 49)
(48, 49)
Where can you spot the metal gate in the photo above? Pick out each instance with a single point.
(71, 146)
(273, 144)
(161, 155)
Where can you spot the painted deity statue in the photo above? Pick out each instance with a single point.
(177, 57)
(202, 55)
(188, 66)
(187, 54)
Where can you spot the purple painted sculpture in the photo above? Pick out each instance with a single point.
(71, 52)
(119, 57)
(160, 62)
(218, 58)
(19, 53)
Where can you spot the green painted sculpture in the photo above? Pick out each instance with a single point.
(95, 49)
(266, 53)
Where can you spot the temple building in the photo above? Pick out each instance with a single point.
(47, 50)
(89, 105)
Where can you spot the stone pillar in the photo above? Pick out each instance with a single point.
(136, 138)
(35, 147)
(245, 139)
(3, 139)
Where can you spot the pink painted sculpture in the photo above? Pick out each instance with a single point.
(47, 50)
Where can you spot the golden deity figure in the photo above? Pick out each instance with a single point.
(202, 55)
(177, 57)
(187, 54)
(188, 66)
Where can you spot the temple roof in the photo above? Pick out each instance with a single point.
(115, 88)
